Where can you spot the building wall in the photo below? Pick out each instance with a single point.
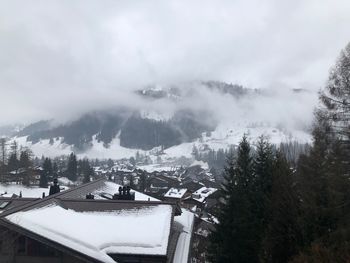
(16, 248)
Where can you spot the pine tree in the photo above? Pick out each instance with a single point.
(86, 170)
(87, 176)
(25, 162)
(262, 165)
(13, 163)
(336, 95)
(283, 236)
(54, 169)
(46, 173)
(25, 159)
(234, 238)
(72, 168)
(3, 156)
(336, 101)
(262, 185)
(314, 183)
(324, 190)
(324, 173)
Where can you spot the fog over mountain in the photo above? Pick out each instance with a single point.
(175, 118)
(62, 59)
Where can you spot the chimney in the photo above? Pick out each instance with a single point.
(124, 194)
(55, 188)
(90, 196)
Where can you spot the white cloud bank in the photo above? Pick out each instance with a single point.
(59, 58)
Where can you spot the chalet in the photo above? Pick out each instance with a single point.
(192, 186)
(199, 197)
(90, 223)
(161, 183)
(30, 176)
(198, 171)
(176, 194)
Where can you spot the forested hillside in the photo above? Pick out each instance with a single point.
(272, 211)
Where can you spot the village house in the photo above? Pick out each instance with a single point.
(94, 222)
(176, 194)
(199, 197)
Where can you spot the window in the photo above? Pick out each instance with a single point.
(37, 249)
(21, 245)
(30, 247)
(3, 204)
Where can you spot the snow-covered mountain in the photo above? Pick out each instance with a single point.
(173, 119)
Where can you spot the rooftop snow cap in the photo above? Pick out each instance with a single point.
(124, 194)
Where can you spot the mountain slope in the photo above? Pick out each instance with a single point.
(208, 114)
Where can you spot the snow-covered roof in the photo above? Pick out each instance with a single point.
(144, 230)
(203, 165)
(65, 181)
(176, 192)
(183, 244)
(201, 194)
(112, 188)
(7, 190)
(7, 203)
(143, 226)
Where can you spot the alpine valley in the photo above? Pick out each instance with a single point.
(171, 120)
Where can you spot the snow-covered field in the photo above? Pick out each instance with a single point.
(44, 148)
(223, 137)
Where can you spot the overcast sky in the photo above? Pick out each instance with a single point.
(66, 56)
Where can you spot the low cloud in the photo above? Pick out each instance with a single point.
(61, 58)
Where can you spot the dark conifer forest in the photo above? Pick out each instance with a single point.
(274, 211)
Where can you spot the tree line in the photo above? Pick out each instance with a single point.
(217, 158)
(21, 166)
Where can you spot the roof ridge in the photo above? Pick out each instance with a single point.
(117, 201)
(41, 200)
